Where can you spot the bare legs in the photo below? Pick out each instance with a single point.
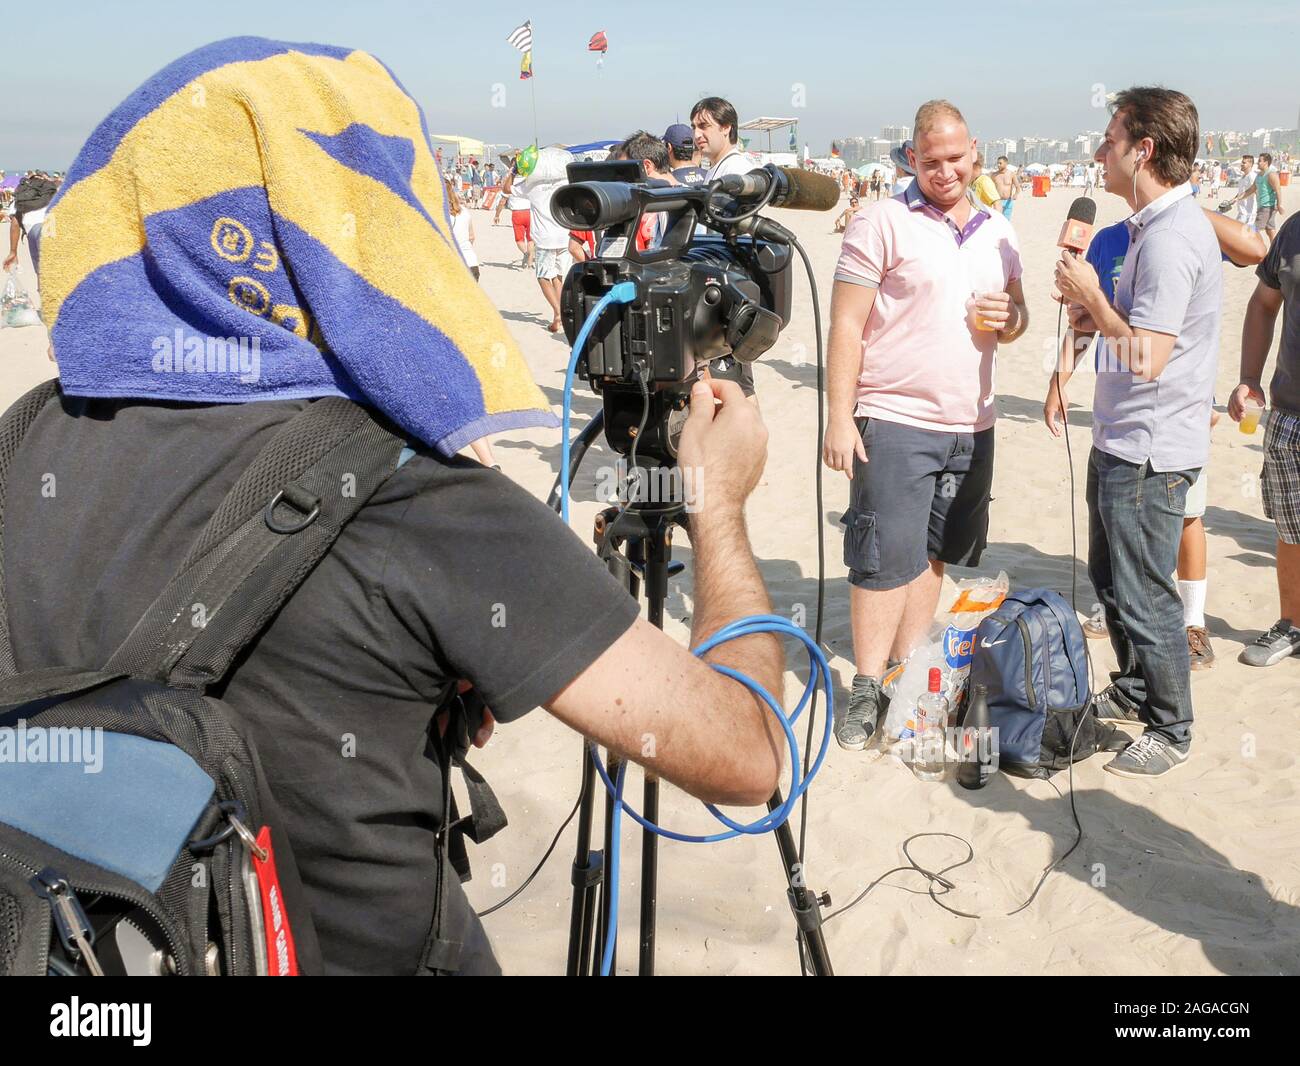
(889, 624)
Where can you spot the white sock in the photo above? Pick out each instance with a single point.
(1192, 593)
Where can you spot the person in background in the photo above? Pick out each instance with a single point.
(904, 175)
(982, 186)
(1004, 179)
(550, 238)
(846, 216)
(715, 123)
(1268, 198)
(652, 154)
(1244, 201)
(685, 158)
(1277, 290)
(462, 232)
(521, 216)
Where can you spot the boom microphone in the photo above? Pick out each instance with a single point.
(798, 190)
(1077, 231)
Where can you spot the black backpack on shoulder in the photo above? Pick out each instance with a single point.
(138, 832)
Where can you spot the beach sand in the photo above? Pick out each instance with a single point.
(1197, 873)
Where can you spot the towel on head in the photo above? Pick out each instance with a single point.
(263, 220)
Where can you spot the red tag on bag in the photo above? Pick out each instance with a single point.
(281, 958)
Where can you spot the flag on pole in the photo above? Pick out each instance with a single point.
(521, 37)
(807, 155)
(1209, 143)
(526, 67)
(794, 138)
(835, 150)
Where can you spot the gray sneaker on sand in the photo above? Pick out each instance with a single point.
(1110, 706)
(859, 724)
(1269, 649)
(1151, 755)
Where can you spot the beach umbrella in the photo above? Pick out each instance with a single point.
(867, 169)
(1035, 168)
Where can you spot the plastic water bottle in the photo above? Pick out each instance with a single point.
(931, 730)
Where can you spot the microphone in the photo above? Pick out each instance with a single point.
(798, 190)
(1077, 231)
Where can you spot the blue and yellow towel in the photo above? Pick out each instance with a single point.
(262, 220)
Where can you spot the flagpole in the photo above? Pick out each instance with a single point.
(532, 85)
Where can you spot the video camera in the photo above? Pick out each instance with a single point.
(715, 299)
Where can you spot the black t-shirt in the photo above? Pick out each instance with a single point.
(450, 571)
(1281, 270)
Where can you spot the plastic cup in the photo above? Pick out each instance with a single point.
(976, 321)
(1253, 411)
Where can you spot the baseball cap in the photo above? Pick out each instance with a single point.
(898, 156)
(679, 135)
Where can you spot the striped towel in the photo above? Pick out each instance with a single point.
(263, 220)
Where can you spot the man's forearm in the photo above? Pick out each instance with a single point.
(728, 587)
(843, 368)
(1256, 340)
(1073, 345)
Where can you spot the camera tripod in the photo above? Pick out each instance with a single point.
(636, 544)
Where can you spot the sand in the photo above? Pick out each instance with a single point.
(1197, 873)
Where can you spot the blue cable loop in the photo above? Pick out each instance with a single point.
(819, 674)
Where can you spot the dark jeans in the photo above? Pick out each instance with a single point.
(1135, 522)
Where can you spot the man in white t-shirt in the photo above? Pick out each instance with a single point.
(549, 237)
(1245, 198)
(714, 121)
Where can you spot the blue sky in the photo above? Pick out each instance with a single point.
(1013, 67)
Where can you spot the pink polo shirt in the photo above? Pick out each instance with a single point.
(922, 364)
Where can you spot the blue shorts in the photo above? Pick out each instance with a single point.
(1006, 207)
(921, 495)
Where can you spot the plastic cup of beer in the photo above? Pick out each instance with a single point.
(1252, 412)
(976, 319)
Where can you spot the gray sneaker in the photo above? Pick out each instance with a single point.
(859, 724)
(1269, 649)
(1110, 706)
(1151, 755)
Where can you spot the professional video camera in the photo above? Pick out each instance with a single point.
(717, 297)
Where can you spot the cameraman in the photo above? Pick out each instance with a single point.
(449, 576)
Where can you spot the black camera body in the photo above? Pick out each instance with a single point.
(713, 299)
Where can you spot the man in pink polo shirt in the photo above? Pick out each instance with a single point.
(927, 285)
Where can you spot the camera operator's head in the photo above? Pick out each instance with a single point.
(714, 121)
(942, 153)
(651, 153)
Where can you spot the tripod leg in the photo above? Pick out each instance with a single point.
(805, 905)
(608, 919)
(649, 877)
(586, 873)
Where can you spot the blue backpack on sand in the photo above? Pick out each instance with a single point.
(1031, 657)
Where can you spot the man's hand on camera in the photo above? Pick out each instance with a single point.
(723, 444)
